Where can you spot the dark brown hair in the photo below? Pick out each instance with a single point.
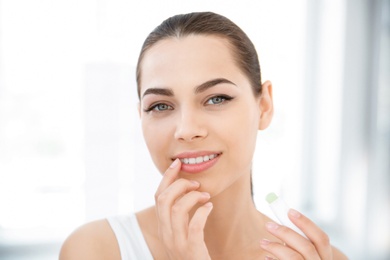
(208, 23)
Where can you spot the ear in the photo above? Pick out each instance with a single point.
(266, 105)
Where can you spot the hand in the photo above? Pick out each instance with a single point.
(182, 237)
(296, 246)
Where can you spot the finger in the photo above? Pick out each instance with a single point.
(169, 176)
(280, 251)
(293, 240)
(180, 212)
(197, 224)
(166, 200)
(316, 235)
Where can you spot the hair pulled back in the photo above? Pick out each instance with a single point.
(208, 23)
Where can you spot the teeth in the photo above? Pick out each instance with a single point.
(199, 159)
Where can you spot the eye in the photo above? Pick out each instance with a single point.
(160, 107)
(217, 100)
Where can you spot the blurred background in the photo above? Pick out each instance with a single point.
(71, 149)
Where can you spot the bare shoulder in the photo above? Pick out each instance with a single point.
(338, 255)
(94, 240)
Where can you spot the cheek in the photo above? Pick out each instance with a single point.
(242, 135)
(157, 137)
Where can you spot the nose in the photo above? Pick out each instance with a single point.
(190, 127)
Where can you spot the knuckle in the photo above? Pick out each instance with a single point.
(183, 182)
(161, 199)
(310, 249)
(186, 183)
(284, 230)
(324, 239)
(177, 209)
(156, 195)
(195, 228)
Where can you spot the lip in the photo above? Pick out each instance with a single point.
(200, 167)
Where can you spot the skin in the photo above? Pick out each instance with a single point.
(210, 214)
(192, 122)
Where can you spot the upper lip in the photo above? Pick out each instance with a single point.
(194, 154)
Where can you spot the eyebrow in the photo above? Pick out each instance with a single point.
(158, 91)
(211, 83)
(199, 89)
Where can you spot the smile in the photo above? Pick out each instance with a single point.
(199, 159)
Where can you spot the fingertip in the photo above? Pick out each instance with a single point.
(293, 213)
(174, 164)
(169, 176)
(208, 204)
(264, 242)
(173, 169)
(271, 226)
(206, 195)
(195, 183)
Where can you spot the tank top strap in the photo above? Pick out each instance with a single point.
(130, 239)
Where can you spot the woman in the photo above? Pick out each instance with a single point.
(201, 106)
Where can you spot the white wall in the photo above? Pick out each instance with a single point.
(71, 148)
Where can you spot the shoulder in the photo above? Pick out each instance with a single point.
(94, 240)
(147, 221)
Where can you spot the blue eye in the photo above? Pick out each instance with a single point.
(159, 107)
(217, 100)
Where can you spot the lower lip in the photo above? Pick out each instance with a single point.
(199, 167)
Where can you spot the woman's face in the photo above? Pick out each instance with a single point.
(198, 106)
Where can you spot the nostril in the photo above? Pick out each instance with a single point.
(190, 129)
(188, 136)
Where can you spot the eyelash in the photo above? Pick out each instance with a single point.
(225, 98)
(153, 107)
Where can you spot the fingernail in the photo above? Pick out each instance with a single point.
(264, 242)
(206, 194)
(174, 164)
(269, 258)
(272, 225)
(294, 213)
(195, 183)
(208, 204)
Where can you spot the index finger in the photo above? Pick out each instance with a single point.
(316, 235)
(169, 176)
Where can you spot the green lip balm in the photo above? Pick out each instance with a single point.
(280, 209)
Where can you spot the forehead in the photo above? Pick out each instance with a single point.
(187, 60)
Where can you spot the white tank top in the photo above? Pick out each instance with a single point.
(131, 241)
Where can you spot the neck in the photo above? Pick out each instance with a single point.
(234, 223)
